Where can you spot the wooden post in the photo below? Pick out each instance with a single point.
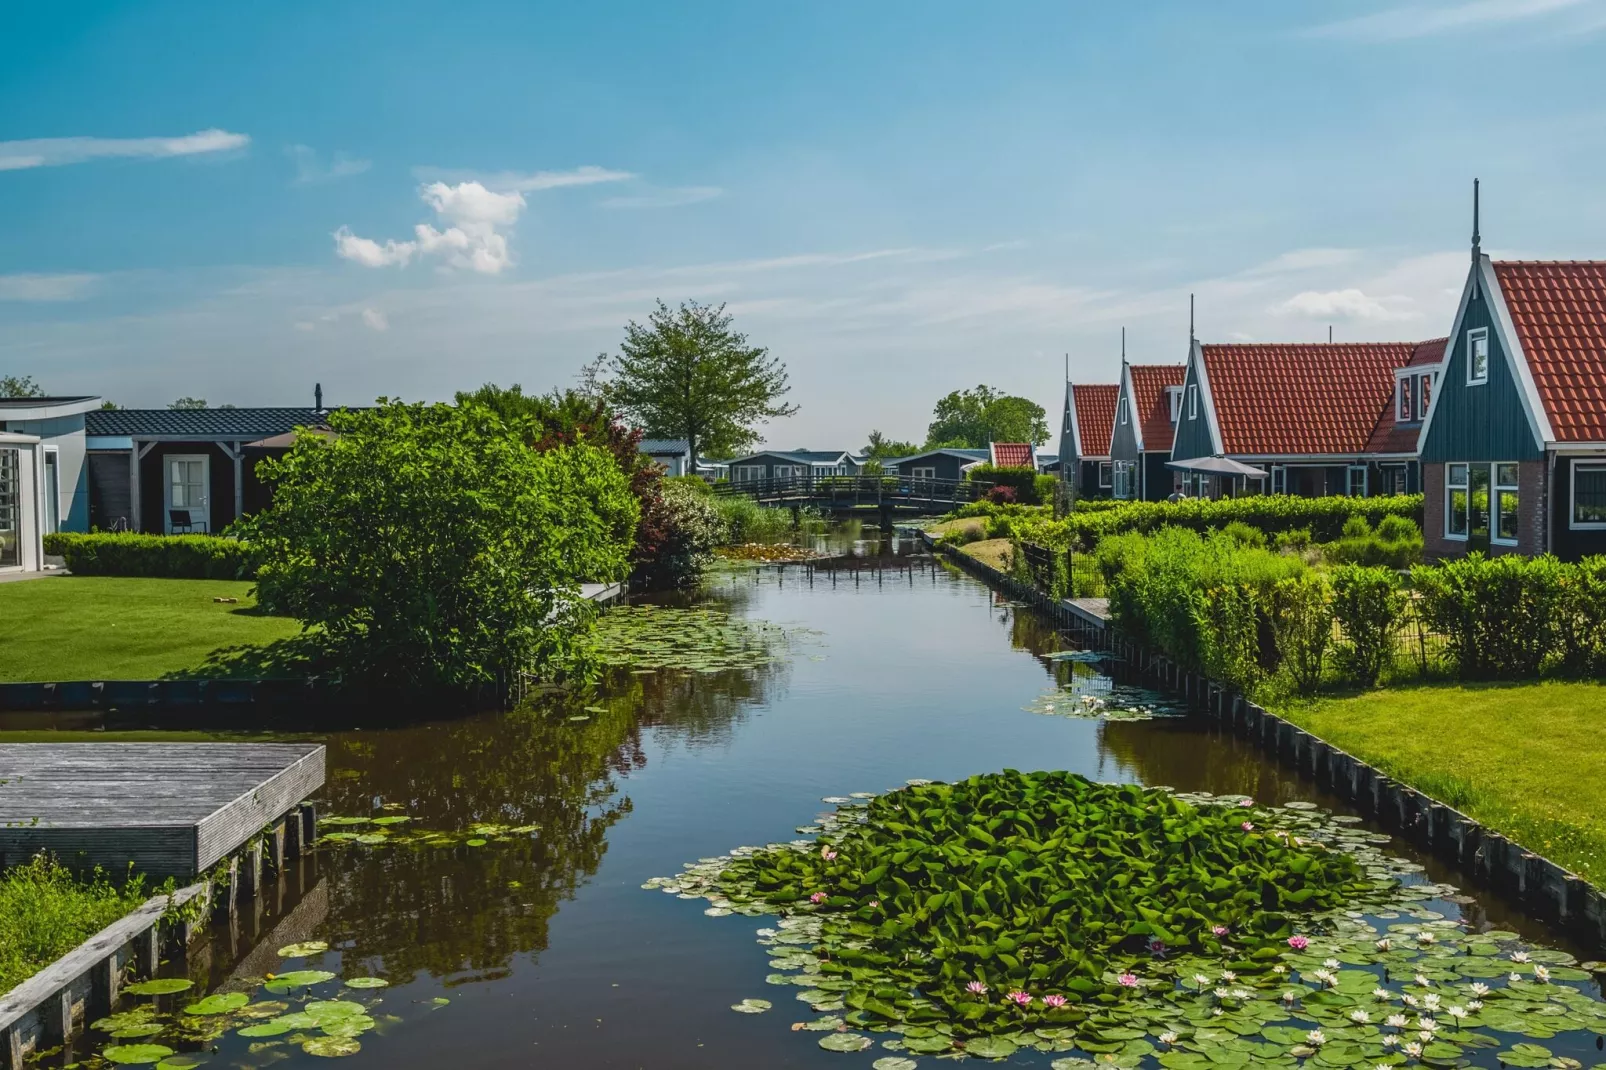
(14, 1047)
(58, 1019)
(146, 953)
(309, 824)
(253, 868)
(293, 847)
(103, 986)
(276, 848)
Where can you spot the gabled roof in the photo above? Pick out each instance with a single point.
(663, 446)
(1093, 406)
(1312, 398)
(809, 457)
(1558, 309)
(1012, 455)
(200, 423)
(1388, 434)
(963, 453)
(1150, 405)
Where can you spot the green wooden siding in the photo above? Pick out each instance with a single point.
(1124, 443)
(1485, 422)
(1193, 436)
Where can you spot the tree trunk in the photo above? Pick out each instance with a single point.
(691, 446)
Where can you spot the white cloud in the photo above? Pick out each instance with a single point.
(1305, 260)
(45, 287)
(55, 151)
(474, 240)
(524, 181)
(1425, 20)
(310, 169)
(1346, 304)
(666, 198)
(375, 319)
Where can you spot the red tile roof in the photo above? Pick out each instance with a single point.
(1095, 417)
(1389, 435)
(1152, 406)
(1013, 455)
(1304, 398)
(1559, 311)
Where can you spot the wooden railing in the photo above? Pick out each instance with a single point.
(830, 491)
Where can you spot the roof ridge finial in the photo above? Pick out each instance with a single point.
(1123, 345)
(1477, 241)
(1190, 318)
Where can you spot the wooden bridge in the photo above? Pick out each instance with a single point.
(886, 493)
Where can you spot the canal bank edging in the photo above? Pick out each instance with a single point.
(1539, 884)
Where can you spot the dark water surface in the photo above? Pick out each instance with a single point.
(549, 949)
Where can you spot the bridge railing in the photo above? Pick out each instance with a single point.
(856, 490)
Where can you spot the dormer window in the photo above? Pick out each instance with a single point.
(1407, 403)
(1174, 395)
(1424, 394)
(1477, 356)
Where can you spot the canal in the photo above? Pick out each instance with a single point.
(544, 942)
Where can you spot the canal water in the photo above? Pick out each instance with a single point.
(548, 948)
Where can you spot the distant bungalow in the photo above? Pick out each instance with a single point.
(793, 464)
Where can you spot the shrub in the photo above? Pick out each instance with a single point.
(1022, 480)
(1302, 621)
(1581, 618)
(1226, 620)
(46, 911)
(1046, 488)
(692, 526)
(1368, 603)
(1396, 544)
(174, 557)
(746, 521)
(1244, 535)
(436, 550)
(695, 484)
(1294, 540)
(1501, 613)
(1002, 495)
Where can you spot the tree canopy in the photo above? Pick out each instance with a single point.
(973, 418)
(882, 448)
(20, 386)
(688, 374)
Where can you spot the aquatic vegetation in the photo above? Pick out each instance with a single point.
(393, 830)
(1138, 926)
(1118, 704)
(696, 640)
(764, 553)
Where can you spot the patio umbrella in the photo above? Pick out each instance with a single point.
(1218, 466)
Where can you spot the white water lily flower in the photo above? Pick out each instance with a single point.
(1324, 976)
(1316, 1038)
(1480, 989)
(1289, 997)
(1331, 964)
(1514, 978)
(1383, 995)
(1221, 993)
(1360, 1017)
(1542, 974)
(1217, 1012)
(1413, 1050)
(1427, 1025)
(1279, 968)
(1168, 1039)
(1519, 956)
(1384, 944)
(1475, 1005)
(1241, 993)
(1389, 1039)
(1422, 982)
(1425, 938)
(1200, 979)
(1228, 975)
(1398, 1021)
(1431, 1001)
(1457, 1013)
(1408, 999)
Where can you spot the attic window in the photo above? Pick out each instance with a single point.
(1478, 356)
(1174, 395)
(1193, 401)
(1123, 408)
(1407, 400)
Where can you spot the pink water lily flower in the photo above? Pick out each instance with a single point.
(1053, 1002)
(875, 903)
(1248, 826)
(976, 988)
(817, 897)
(1246, 802)
(1128, 980)
(1219, 930)
(1021, 998)
(827, 854)
(1298, 943)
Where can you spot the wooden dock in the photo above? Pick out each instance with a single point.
(172, 809)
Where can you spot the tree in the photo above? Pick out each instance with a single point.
(109, 405)
(881, 448)
(433, 551)
(973, 418)
(687, 374)
(20, 386)
(187, 403)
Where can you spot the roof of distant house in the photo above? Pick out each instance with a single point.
(1095, 416)
(801, 456)
(201, 423)
(1388, 434)
(1559, 311)
(664, 446)
(46, 408)
(1149, 401)
(1012, 454)
(963, 453)
(1302, 399)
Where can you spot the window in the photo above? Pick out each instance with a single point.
(1407, 408)
(1506, 505)
(1356, 481)
(10, 510)
(52, 502)
(1478, 506)
(1174, 395)
(747, 473)
(1193, 402)
(1123, 407)
(1106, 476)
(1589, 495)
(789, 471)
(1455, 501)
(929, 472)
(1392, 479)
(1279, 479)
(1424, 393)
(1477, 356)
(1123, 479)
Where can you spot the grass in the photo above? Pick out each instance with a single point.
(972, 527)
(1525, 759)
(45, 912)
(994, 552)
(114, 628)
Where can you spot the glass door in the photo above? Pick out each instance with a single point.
(187, 493)
(52, 501)
(10, 510)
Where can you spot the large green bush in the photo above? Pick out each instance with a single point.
(747, 521)
(1022, 479)
(1396, 543)
(1501, 614)
(1368, 603)
(436, 550)
(691, 526)
(1302, 621)
(174, 557)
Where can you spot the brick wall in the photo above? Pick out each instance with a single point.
(1531, 525)
(1435, 545)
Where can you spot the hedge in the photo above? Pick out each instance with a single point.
(174, 557)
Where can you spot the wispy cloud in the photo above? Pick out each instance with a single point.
(375, 319)
(1347, 304)
(1305, 260)
(1427, 20)
(57, 151)
(524, 181)
(45, 287)
(310, 169)
(666, 198)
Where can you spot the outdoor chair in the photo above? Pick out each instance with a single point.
(183, 524)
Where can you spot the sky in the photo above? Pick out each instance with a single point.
(898, 199)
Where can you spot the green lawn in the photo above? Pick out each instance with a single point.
(112, 628)
(1528, 760)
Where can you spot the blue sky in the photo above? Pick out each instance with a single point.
(899, 199)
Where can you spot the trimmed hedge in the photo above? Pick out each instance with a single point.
(174, 557)
(1021, 479)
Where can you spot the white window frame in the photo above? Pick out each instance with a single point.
(788, 471)
(1123, 406)
(1106, 475)
(1174, 396)
(924, 472)
(1450, 486)
(49, 497)
(1279, 479)
(1405, 402)
(1424, 389)
(1480, 334)
(1193, 401)
(11, 456)
(747, 473)
(1497, 491)
(1349, 481)
(1573, 523)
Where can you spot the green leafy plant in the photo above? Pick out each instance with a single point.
(1369, 604)
(46, 911)
(1020, 479)
(1503, 615)
(1302, 620)
(174, 557)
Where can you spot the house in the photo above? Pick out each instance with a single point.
(943, 463)
(186, 469)
(793, 464)
(673, 455)
(1319, 418)
(59, 485)
(1513, 448)
(1012, 454)
(1085, 431)
(1146, 409)
(21, 519)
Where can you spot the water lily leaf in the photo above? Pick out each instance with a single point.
(752, 1006)
(991, 1048)
(136, 1054)
(331, 1047)
(274, 1028)
(145, 1029)
(182, 1061)
(394, 819)
(218, 1003)
(893, 1062)
(302, 950)
(287, 982)
(845, 1042)
(366, 982)
(477, 841)
(160, 986)
(440, 1001)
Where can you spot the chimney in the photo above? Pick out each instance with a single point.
(317, 396)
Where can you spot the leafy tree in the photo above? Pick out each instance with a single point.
(109, 404)
(687, 374)
(187, 403)
(20, 386)
(434, 551)
(881, 448)
(973, 418)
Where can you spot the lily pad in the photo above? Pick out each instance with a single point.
(893, 1062)
(277, 1027)
(991, 1048)
(303, 949)
(845, 1042)
(218, 1003)
(287, 982)
(366, 982)
(752, 1006)
(136, 1054)
(159, 986)
(143, 1029)
(331, 1047)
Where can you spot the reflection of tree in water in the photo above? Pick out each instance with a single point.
(464, 912)
(705, 708)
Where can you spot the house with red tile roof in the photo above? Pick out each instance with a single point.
(1318, 418)
(1085, 431)
(1513, 447)
(1012, 454)
(1146, 409)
